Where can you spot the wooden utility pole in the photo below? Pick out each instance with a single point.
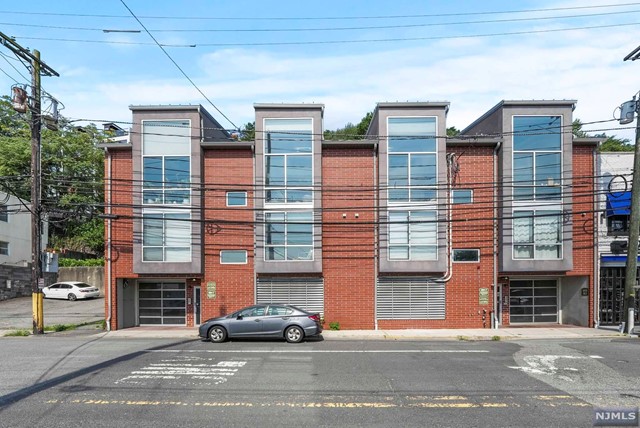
(37, 68)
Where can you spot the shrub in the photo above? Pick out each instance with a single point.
(335, 325)
(77, 262)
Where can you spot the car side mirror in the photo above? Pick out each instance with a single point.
(239, 317)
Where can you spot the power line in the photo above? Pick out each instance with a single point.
(352, 28)
(177, 66)
(345, 41)
(315, 18)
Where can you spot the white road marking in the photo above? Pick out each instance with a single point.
(546, 365)
(179, 370)
(324, 351)
(595, 356)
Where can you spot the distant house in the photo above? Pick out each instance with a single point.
(403, 228)
(15, 246)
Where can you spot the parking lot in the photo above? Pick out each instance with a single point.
(17, 313)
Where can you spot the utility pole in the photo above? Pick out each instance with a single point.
(37, 69)
(631, 268)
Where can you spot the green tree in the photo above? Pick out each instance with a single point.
(452, 131)
(611, 143)
(72, 177)
(248, 132)
(351, 131)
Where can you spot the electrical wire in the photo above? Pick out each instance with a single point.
(177, 66)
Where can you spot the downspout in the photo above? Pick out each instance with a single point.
(496, 303)
(449, 219)
(108, 194)
(596, 246)
(376, 246)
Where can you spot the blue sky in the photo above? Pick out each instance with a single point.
(346, 54)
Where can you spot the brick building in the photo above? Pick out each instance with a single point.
(403, 228)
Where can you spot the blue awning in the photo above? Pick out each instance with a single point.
(614, 259)
(618, 203)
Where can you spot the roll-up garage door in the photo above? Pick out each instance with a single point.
(305, 293)
(404, 298)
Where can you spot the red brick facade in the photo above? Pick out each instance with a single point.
(349, 177)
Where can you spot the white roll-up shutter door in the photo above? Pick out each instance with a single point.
(410, 298)
(305, 293)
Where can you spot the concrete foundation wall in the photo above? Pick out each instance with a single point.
(91, 275)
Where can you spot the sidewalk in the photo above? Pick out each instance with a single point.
(510, 333)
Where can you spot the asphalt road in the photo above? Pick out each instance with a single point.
(86, 379)
(18, 313)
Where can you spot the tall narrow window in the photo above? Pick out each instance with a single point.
(537, 157)
(166, 184)
(288, 157)
(4, 213)
(413, 167)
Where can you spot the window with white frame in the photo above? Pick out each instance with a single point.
(288, 161)
(537, 157)
(234, 257)
(462, 196)
(412, 159)
(236, 199)
(537, 234)
(288, 236)
(466, 255)
(4, 248)
(166, 162)
(166, 237)
(413, 235)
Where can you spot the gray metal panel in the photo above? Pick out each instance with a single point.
(410, 298)
(305, 293)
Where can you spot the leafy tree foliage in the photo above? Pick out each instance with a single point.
(72, 177)
(452, 131)
(248, 132)
(611, 143)
(351, 131)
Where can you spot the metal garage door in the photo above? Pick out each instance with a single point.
(162, 303)
(305, 293)
(404, 298)
(533, 301)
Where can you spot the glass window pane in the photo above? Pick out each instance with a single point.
(537, 132)
(275, 196)
(424, 252)
(177, 197)
(177, 171)
(299, 234)
(423, 170)
(166, 137)
(152, 172)
(398, 195)
(523, 251)
(236, 199)
(275, 233)
(152, 229)
(399, 253)
(178, 230)
(233, 256)
(274, 171)
(152, 254)
(296, 195)
(178, 254)
(288, 142)
(423, 195)
(462, 196)
(398, 170)
(275, 253)
(398, 227)
(523, 227)
(299, 253)
(299, 171)
(423, 228)
(466, 255)
(412, 134)
(152, 196)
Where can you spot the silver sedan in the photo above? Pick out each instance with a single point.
(266, 320)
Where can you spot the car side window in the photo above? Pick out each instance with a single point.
(279, 310)
(255, 311)
(55, 286)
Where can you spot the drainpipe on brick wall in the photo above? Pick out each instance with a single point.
(449, 236)
(376, 247)
(108, 194)
(596, 245)
(496, 303)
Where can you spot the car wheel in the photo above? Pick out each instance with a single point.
(72, 297)
(294, 334)
(217, 334)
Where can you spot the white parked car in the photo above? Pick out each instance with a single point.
(70, 290)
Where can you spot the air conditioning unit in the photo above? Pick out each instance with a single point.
(618, 247)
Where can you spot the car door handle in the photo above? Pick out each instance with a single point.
(257, 320)
(285, 318)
